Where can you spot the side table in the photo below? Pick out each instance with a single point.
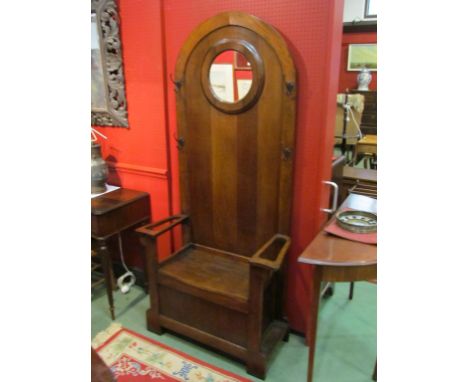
(111, 214)
(337, 260)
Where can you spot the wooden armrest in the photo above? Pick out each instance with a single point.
(148, 228)
(272, 253)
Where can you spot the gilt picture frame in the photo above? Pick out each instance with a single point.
(108, 98)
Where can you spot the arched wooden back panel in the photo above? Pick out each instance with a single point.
(236, 158)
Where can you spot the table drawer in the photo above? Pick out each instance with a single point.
(120, 218)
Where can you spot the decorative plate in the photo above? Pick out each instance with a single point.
(357, 221)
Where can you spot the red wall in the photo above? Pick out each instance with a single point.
(146, 154)
(348, 79)
(138, 155)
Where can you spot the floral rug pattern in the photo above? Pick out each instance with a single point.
(133, 357)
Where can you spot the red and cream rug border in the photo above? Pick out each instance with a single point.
(104, 338)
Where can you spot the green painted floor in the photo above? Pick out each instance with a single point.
(346, 344)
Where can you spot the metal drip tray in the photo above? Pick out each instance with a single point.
(357, 221)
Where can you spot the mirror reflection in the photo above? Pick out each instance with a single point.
(230, 76)
(98, 89)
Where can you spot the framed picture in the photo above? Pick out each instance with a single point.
(362, 56)
(108, 99)
(240, 62)
(370, 9)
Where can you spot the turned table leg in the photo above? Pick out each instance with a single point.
(351, 290)
(312, 326)
(106, 265)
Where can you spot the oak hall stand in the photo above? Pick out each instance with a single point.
(223, 286)
(337, 260)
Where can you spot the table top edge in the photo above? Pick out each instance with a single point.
(336, 264)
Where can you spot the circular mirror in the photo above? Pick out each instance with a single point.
(230, 76)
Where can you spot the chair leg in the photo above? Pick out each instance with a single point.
(351, 290)
(256, 366)
(152, 322)
(256, 361)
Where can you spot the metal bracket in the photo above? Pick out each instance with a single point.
(335, 197)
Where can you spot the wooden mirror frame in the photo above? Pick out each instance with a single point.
(258, 75)
(108, 22)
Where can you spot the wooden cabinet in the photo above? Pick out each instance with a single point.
(369, 115)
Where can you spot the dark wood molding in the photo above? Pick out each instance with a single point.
(359, 27)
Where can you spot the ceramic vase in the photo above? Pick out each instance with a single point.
(363, 79)
(99, 170)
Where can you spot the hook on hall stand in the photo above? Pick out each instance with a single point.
(180, 141)
(177, 83)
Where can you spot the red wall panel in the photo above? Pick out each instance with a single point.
(348, 79)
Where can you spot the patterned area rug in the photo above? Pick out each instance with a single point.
(133, 357)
